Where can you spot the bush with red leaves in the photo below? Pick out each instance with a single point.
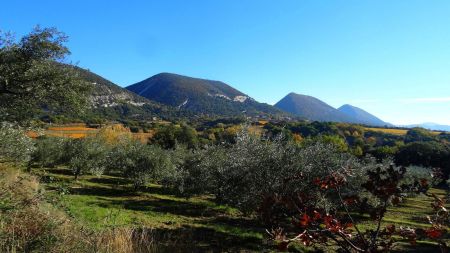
(339, 227)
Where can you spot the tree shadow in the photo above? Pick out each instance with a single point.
(116, 181)
(103, 191)
(418, 248)
(166, 206)
(60, 171)
(199, 239)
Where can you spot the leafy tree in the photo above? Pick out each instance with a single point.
(418, 134)
(193, 172)
(427, 154)
(33, 76)
(171, 135)
(166, 136)
(188, 136)
(15, 146)
(139, 162)
(336, 140)
(87, 155)
(50, 151)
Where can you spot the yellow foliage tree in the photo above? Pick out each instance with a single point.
(297, 138)
(114, 134)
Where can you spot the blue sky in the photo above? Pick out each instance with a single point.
(391, 58)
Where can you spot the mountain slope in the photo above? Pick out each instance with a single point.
(311, 108)
(106, 94)
(360, 116)
(201, 96)
(108, 100)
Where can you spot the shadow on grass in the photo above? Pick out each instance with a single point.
(193, 239)
(418, 248)
(109, 180)
(103, 191)
(60, 171)
(165, 206)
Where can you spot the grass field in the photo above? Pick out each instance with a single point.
(195, 223)
(394, 130)
(81, 131)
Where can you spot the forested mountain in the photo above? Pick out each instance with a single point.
(204, 97)
(311, 108)
(362, 117)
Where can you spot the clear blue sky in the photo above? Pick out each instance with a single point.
(391, 58)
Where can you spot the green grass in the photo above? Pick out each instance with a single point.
(100, 202)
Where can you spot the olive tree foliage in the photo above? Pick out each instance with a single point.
(15, 146)
(139, 162)
(192, 170)
(253, 171)
(50, 151)
(33, 76)
(87, 155)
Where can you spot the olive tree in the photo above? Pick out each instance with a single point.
(139, 162)
(87, 155)
(15, 146)
(49, 151)
(33, 76)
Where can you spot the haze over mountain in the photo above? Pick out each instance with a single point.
(201, 96)
(362, 117)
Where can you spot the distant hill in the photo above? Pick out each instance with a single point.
(430, 126)
(311, 108)
(204, 97)
(360, 116)
(314, 109)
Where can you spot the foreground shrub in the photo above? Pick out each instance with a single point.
(29, 224)
(315, 224)
(26, 224)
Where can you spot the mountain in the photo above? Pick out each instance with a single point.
(311, 108)
(109, 100)
(362, 117)
(204, 97)
(107, 94)
(431, 126)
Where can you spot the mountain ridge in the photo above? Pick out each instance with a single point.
(361, 116)
(203, 96)
(310, 108)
